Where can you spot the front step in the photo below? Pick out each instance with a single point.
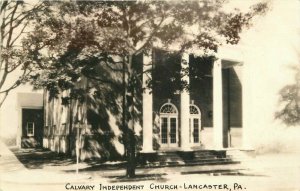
(196, 163)
(179, 158)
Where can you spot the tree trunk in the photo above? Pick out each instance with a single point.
(131, 164)
(130, 142)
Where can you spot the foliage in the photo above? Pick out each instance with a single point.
(289, 98)
(99, 40)
(15, 20)
(74, 37)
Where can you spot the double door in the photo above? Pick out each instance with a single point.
(194, 129)
(169, 131)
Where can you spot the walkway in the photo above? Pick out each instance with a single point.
(45, 170)
(29, 165)
(8, 161)
(12, 171)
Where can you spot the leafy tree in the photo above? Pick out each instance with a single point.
(75, 38)
(289, 114)
(15, 19)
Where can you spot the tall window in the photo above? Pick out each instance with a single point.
(168, 124)
(30, 129)
(195, 124)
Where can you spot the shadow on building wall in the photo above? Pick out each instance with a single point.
(103, 137)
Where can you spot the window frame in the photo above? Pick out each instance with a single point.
(169, 115)
(27, 129)
(192, 118)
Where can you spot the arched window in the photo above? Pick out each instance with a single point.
(168, 108)
(194, 110)
(168, 125)
(195, 124)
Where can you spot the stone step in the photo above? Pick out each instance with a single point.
(209, 160)
(190, 163)
(205, 157)
(177, 158)
(192, 155)
(218, 154)
(174, 158)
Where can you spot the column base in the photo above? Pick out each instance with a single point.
(188, 149)
(147, 151)
(219, 148)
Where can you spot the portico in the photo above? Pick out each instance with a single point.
(180, 126)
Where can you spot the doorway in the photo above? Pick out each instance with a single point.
(168, 126)
(194, 125)
(32, 128)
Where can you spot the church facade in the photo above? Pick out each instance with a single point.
(260, 76)
(206, 116)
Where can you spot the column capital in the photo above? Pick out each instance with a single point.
(217, 63)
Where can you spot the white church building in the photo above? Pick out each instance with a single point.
(232, 105)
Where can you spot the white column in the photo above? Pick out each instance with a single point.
(247, 117)
(147, 106)
(184, 107)
(217, 105)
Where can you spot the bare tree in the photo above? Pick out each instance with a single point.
(15, 19)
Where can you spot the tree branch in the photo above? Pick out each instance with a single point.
(114, 69)
(25, 14)
(4, 73)
(4, 4)
(17, 83)
(150, 37)
(18, 36)
(10, 31)
(16, 66)
(98, 79)
(3, 99)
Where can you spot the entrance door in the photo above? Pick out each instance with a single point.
(195, 125)
(32, 128)
(168, 126)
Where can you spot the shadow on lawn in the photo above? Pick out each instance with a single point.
(39, 158)
(101, 166)
(138, 177)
